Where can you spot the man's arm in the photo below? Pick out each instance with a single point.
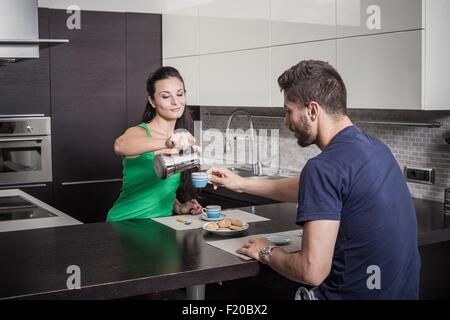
(284, 190)
(311, 265)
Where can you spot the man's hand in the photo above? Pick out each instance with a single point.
(190, 207)
(221, 177)
(252, 247)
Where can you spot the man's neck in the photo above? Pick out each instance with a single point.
(329, 128)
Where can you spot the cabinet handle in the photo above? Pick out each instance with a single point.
(19, 139)
(22, 115)
(89, 182)
(23, 186)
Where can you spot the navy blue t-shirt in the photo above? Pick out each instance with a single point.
(357, 180)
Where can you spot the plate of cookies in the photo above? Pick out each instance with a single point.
(226, 227)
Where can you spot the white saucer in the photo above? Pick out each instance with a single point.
(205, 217)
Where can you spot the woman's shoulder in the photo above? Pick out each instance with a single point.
(137, 130)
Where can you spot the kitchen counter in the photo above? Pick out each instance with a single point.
(21, 211)
(433, 224)
(136, 257)
(124, 259)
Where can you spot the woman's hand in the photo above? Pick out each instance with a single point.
(190, 207)
(181, 140)
(222, 177)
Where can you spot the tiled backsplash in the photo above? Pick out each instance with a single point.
(411, 146)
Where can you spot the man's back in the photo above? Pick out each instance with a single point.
(357, 180)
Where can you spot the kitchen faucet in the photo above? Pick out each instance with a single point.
(256, 165)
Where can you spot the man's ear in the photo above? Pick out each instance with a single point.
(313, 110)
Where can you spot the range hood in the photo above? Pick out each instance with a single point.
(19, 31)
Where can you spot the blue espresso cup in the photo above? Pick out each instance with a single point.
(199, 179)
(212, 212)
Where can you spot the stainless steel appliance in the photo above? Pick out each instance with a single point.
(19, 31)
(25, 150)
(20, 211)
(168, 164)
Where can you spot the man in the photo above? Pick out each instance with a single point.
(359, 224)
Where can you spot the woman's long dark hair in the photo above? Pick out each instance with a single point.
(186, 191)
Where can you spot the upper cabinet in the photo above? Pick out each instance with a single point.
(283, 57)
(189, 69)
(405, 67)
(436, 48)
(363, 17)
(382, 71)
(392, 54)
(229, 25)
(180, 33)
(237, 79)
(302, 20)
(25, 86)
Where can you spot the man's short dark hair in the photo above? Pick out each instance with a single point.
(314, 80)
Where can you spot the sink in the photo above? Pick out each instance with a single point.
(242, 172)
(249, 174)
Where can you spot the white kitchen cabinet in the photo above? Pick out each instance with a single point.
(189, 70)
(284, 57)
(229, 25)
(363, 17)
(400, 70)
(239, 78)
(392, 54)
(382, 71)
(294, 21)
(180, 33)
(437, 53)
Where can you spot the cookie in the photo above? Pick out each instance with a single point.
(212, 226)
(233, 227)
(225, 223)
(237, 222)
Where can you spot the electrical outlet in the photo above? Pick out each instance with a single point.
(419, 175)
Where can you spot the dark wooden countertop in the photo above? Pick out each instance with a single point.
(141, 256)
(123, 259)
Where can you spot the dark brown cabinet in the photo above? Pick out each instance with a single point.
(94, 88)
(87, 202)
(98, 91)
(25, 85)
(144, 56)
(88, 90)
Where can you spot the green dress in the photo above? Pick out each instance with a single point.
(143, 194)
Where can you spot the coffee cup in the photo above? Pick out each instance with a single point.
(199, 179)
(212, 211)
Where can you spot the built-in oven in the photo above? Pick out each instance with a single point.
(25, 150)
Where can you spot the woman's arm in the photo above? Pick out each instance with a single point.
(135, 142)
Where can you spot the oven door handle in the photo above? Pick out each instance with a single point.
(20, 139)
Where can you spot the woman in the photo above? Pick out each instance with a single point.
(143, 194)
